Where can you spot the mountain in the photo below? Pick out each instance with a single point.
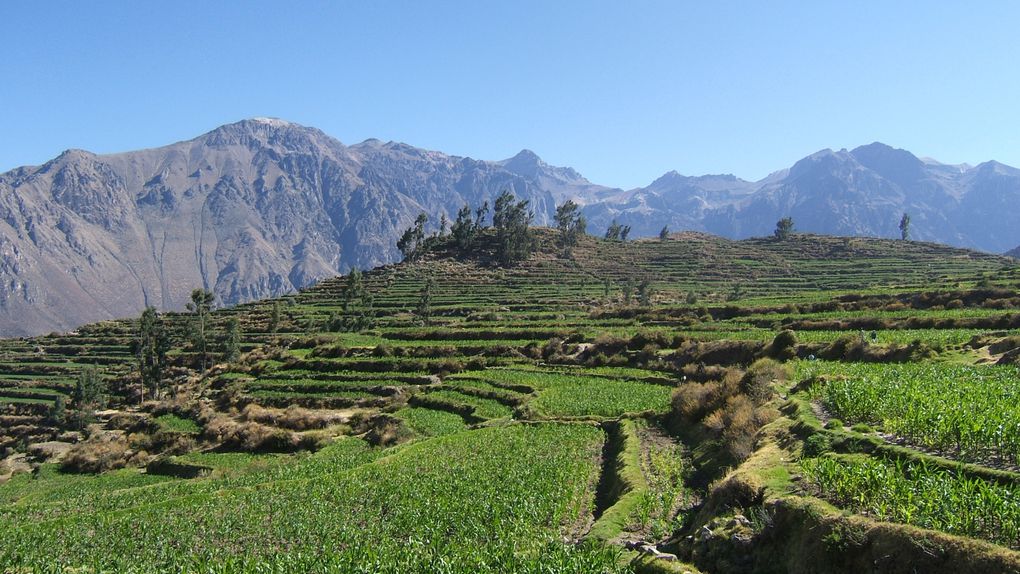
(1015, 252)
(264, 206)
(860, 192)
(249, 210)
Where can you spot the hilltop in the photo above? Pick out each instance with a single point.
(612, 411)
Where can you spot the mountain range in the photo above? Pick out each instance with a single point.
(264, 206)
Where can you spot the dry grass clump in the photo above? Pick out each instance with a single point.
(385, 430)
(293, 417)
(733, 407)
(102, 453)
(253, 436)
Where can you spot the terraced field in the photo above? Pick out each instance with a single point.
(696, 397)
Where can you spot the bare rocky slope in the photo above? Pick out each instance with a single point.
(250, 210)
(264, 206)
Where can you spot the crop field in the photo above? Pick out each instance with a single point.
(580, 414)
(922, 495)
(969, 409)
(418, 508)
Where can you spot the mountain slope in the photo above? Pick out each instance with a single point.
(263, 206)
(860, 192)
(249, 210)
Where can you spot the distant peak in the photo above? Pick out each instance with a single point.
(524, 160)
(526, 163)
(275, 122)
(874, 146)
(526, 154)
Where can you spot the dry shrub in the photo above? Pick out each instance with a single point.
(330, 351)
(252, 436)
(692, 400)
(386, 431)
(293, 417)
(130, 422)
(101, 453)
(730, 408)
(758, 381)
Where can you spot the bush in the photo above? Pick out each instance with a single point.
(758, 381)
(783, 345)
(834, 424)
(99, 454)
(817, 445)
(293, 417)
(251, 436)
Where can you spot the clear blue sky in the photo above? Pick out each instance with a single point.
(621, 91)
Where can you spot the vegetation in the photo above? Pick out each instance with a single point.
(698, 397)
(571, 225)
(511, 218)
(412, 240)
(200, 306)
(784, 227)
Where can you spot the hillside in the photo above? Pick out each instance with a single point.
(639, 402)
(249, 210)
(264, 207)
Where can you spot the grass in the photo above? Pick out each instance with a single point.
(504, 479)
(407, 511)
(431, 423)
(918, 494)
(174, 423)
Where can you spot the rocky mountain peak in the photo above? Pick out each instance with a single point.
(257, 133)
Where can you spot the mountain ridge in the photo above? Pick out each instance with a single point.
(264, 206)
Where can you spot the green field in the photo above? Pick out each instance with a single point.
(544, 419)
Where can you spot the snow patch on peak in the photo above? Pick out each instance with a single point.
(275, 122)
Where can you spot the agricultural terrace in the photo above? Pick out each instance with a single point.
(656, 405)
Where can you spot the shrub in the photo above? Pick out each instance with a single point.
(834, 424)
(757, 382)
(783, 345)
(98, 454)
(816, 445)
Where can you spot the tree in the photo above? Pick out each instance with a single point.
(905, 227)
(645, 292)
(200, 306)
(480, 214)
(624, 232)
(463, 230)
(443, 224)
(152, 346)
(571, 225)
(232, 342)
(784, 227)
(353, 288)
(89, 395)
(628, 291)
(424, 309)
(274, 317)
(664, 234)
(613, 231)
(511, 219)
(411, 241)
